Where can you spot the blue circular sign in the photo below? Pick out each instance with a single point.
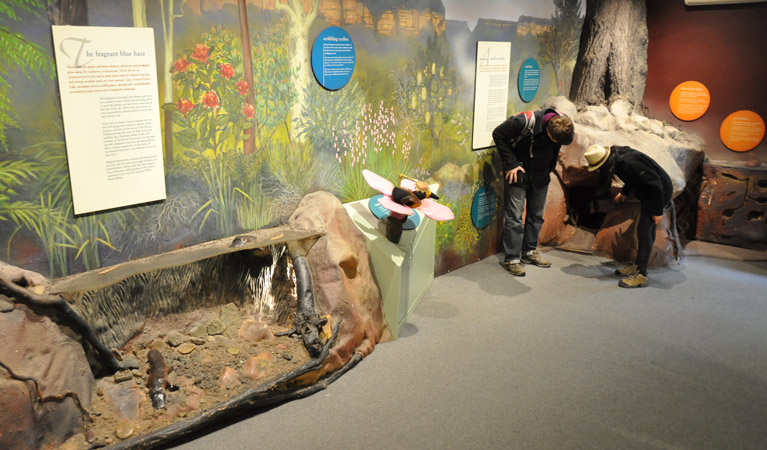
(333, 58)
(382, 213)
(529, 79)
(483, 206)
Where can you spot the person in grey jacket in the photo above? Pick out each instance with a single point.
(649, 183)
(528, 148)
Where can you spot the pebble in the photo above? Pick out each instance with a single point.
(215, 327)
(157, 344)
(124, 430)
(198, 340)
(175, 338)
(198, 331)
(186, 348)
(123, 375)
(129, 363)
(233, 351)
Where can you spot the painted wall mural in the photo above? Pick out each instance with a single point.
(248, 131)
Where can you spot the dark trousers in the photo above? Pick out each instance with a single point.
(646, 229)
(518, 238)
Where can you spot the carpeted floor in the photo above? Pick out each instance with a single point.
(562, 358)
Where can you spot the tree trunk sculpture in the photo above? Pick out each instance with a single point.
(612, 58)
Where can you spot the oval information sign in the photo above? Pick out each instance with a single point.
(529, 79)
(689, 100)
(382, 213)
(742, 130)
(483, 206)
(333, 58)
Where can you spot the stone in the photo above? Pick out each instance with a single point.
(123, 375)
(129, 363)
(621, 108)
(555, 229)
(732, 207)
(670, 131)
(357, 300)
(229, 313)
(257, 367)
(254, 331)
(36, 348)
(157, 344)
(215, 327)
(229, 378)
(186, 348)
(561, 104)
(124, 430)
(174, 339)
(234, 351)
(5, 304)
(198, 331)
(126, 400)
(198, 340)
(597, 117)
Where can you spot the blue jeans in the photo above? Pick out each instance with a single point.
(518, 238)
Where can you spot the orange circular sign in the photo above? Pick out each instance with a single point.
(689, 100)
(742, 130)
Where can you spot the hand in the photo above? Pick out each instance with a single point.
(657, 219)
(511, 175)
(619, 198)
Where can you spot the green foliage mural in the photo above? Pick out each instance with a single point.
(246, 138)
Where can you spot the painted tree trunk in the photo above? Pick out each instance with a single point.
(247, 72)
(300, 21)
(612, 58)
(68, 12)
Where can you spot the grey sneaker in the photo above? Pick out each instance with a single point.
(634, 281)
(627, 271)
(516, 269)
(535, 259)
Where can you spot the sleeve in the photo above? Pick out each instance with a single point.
(502, 135)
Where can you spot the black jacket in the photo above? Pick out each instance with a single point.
(643, 177)
(544, 151)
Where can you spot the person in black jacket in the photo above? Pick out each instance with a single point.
(528, 154)
(649, 183)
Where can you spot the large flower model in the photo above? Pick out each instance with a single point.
(411, 194)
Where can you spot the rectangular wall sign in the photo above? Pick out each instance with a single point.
(491, 90)
(109, 102)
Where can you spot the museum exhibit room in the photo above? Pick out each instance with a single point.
(383, 224)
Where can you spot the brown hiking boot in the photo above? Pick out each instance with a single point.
(627, 271)
(535, 259)
(516, 269)
(634, 281)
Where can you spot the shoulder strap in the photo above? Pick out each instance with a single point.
(527, 130)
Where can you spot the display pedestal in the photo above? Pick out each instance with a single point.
(404, 271)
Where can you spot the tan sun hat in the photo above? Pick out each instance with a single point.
(596, 155)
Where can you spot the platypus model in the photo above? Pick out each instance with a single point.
(158, 378)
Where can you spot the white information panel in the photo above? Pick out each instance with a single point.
(109, 101)
(491, 90)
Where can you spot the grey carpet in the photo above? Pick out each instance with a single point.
(562, 358)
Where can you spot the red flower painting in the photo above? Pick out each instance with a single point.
(201, 52)
(227, 71)
(210, 99)
(181, 65)
(184, 106)
(242, 87)
(249, 110)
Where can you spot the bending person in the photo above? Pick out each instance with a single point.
(649, 183)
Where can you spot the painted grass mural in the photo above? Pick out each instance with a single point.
(248, 132)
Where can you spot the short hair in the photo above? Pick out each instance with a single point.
(561, 129)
